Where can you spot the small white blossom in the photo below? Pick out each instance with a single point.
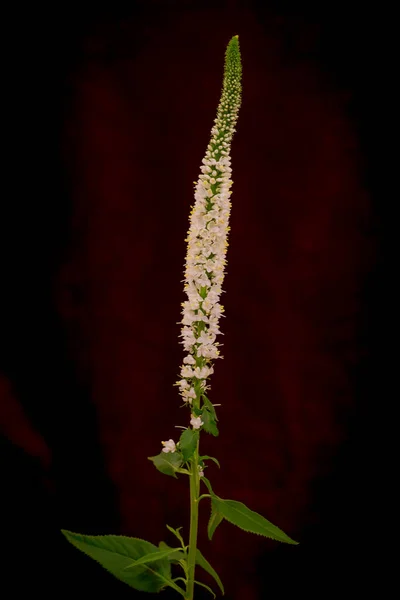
(187, 371)
(201, 471)
(196, 422)
(203, 372)
(189, 360)
(188, 395)
(169, 446)
(183, 384)
(208, 351)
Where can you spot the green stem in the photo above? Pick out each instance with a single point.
(194, 522)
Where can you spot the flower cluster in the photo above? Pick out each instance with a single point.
(208, 241)
(207, 244)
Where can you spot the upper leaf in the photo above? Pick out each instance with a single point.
(208, 404)
(238, 514)
(188, 442)
(209, 422)
(208, 485)
(206, 457)
(167, 462)
(115, 553)
(176, 534)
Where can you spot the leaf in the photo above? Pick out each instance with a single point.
(196, 411)
(175, 558)
(209, 422)
(215, 519)
(205, 586)
(208, 485)
(115, 553)
(211, 458)
(238, 514)
(154, 556)
(209, 405)
(204, 564)
(167, 462)
(188, 443)
(176, 534)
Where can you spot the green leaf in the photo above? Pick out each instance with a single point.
(177, 534)
(209, 405)
(177, 557)
(215, 519)
(209, 422)
(167, 462)
(205, 586)
(208, 485)
(188, 443)
(204, 564)
(238, 514)
(210, 458)
(115, 553)
(154, 556)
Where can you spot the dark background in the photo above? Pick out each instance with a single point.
(110, 108)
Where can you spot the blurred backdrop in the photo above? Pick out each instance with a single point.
(112, 110)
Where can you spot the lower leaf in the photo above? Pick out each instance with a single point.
(215, 519)
(204, 564)
(169, 553)
(205, 586)
(114, 553)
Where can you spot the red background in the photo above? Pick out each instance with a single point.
(115, 106)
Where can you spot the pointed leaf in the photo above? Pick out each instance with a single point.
(215, 519)
(177, 557)
(209, 422)
(154, 556)
(208, 485)
(115, 553)
(176, 534)
(238, 514)
(211, 458)
(188, 443)
(167, 462)
(210, 406)
(204, 564)
(205, 586)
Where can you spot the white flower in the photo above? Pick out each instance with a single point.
(201, 472)
(189, 360)
(196, 422)
(208, 351)
(183, 384)
(205, 338)
(207, 239)
(203, 372)
(188, 395)
(169, 446)
(187, 372)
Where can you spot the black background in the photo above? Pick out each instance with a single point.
(109, 109)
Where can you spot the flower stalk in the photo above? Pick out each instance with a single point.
(194, 523)
(204, 273)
